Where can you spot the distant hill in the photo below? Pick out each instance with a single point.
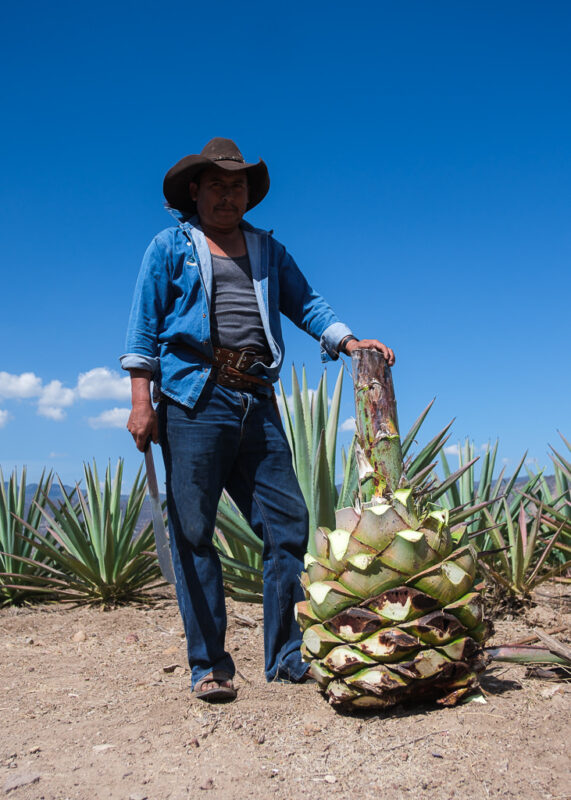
(146, 518)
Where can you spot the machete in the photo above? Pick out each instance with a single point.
(161, 538)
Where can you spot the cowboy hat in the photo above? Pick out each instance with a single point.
(221, 153)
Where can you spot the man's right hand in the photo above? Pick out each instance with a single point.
(143, 424)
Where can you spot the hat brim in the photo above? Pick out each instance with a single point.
(175, 184)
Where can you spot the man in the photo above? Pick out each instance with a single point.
(205, 328)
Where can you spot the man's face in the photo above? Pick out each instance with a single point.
(221, 197)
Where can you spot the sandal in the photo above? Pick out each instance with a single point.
(222, 692)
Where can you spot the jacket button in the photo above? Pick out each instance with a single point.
(203, 316)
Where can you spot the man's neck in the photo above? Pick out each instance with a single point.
(225, 243)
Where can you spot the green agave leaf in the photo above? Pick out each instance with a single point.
(414, 429)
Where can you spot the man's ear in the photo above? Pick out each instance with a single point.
(193, 190)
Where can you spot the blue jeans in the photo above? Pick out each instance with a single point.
(234, 440)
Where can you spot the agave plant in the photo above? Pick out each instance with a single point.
(19, 563)
(391, 612)
(91, 550)
(240, 553)
(558, 503)
(485, 493)
(311, 430)
(520, 560)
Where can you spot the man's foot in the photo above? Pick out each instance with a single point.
(216, 687)
(307, 677)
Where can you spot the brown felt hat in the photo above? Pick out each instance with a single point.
(218, 152)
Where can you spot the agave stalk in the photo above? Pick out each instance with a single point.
(379, 449)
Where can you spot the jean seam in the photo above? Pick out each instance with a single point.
(268, 527)
(274, 558)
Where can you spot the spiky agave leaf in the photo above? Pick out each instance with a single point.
(391, 585)
(92, 544)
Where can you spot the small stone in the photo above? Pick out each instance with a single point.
(170, 667)
(437, 755)
(550, 691)
(28, 640)
(20, 779)
(79, 636)
(330, 779)
(261, 739)
(208, 784)
(179, 670)
(236, 725)
(248, 622)
(137, 796)
(131, 638)
(35, 749)
(100, 748)
(311, 729)
(194, 742)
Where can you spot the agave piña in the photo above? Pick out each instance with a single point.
(390, 611)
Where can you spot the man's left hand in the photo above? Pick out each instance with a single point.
(370, 344)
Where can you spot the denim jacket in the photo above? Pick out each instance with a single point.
(171, 306)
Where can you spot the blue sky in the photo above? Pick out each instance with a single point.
(420, 163)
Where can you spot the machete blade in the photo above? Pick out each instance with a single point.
(161, 537)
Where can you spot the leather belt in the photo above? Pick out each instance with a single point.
(230, 366)
(238, 359)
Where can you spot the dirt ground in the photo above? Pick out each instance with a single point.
(96, 704)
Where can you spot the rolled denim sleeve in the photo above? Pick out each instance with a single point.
(309, 310)
(150, 301)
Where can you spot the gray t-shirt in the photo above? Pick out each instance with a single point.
(235, 316)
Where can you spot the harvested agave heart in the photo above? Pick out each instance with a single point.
(391, 613)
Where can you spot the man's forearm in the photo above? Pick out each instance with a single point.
(140, 387)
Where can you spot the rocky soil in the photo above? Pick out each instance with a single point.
(96, 704)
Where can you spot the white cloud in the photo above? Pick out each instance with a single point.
(452, 450)
(102, 383)
(112, 418)
(53, 399)
(52, 412)
(348, 424)
(19, 386)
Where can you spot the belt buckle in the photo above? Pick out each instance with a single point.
(243, 355)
